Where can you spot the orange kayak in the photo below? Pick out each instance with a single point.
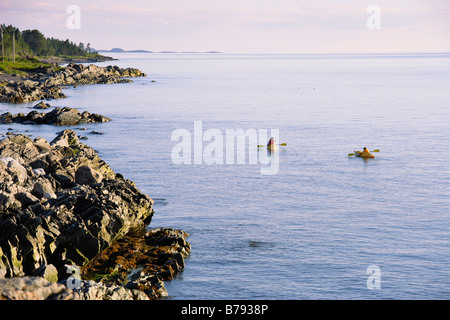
(362, 154)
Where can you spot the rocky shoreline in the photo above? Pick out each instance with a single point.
(72, 228)
(47, 82)
(59, 60)
(58, 116)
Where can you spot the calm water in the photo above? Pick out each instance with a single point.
(312, 230)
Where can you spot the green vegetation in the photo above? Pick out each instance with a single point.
(21, 47)
(31, 44)
(98, 276)
(21, 66)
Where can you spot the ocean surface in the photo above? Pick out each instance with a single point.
(318, 226)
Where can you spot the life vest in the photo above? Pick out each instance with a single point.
(271, 142)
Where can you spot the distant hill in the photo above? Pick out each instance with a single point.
(120, 50)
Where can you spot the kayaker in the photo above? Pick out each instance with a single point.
(272, 144)
(366, 153)
(272, 141)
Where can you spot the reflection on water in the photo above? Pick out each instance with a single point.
(316, 225)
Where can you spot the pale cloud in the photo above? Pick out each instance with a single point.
(122, 10)
(42, 5)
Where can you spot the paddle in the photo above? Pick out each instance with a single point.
(281, 144)
(352, 154)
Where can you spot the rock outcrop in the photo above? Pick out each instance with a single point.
(61, 207)
(47, 85)
(42, 105)
(28, 90)
(142, 261)
(78, 74)
(58, 116)
(34, 288)
(50, 218)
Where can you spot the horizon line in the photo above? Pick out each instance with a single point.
(273, 53)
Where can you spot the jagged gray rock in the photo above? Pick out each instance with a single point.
(34, 288)
(42, 105)
(87, 175)
(50, 219)
(58, 116)
(77, 216)
(47, 85)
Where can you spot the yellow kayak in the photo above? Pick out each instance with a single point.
(364, 154)
(272, 145)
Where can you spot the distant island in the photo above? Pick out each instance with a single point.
(120, 50)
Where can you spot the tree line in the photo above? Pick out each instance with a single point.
(32, 43)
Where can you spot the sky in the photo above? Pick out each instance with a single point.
(241, 26)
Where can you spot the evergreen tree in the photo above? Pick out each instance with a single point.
(29, 43)
(36, 41)
(21, 47)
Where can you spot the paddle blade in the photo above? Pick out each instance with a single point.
(351, 154)
(283, 144)
(376, 150)
(260, 145)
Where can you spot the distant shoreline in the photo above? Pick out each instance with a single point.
(119, 50)
(58, 60)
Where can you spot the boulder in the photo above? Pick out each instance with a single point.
(8, 202)
(65, 138)
(42, 144)
(30, 84)
(87, 175)
(43, 189)
(33, 117)
(67, 117)
(48, 272)
(16, 167)
(41, 105)
(19, 147)
(34, 288)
